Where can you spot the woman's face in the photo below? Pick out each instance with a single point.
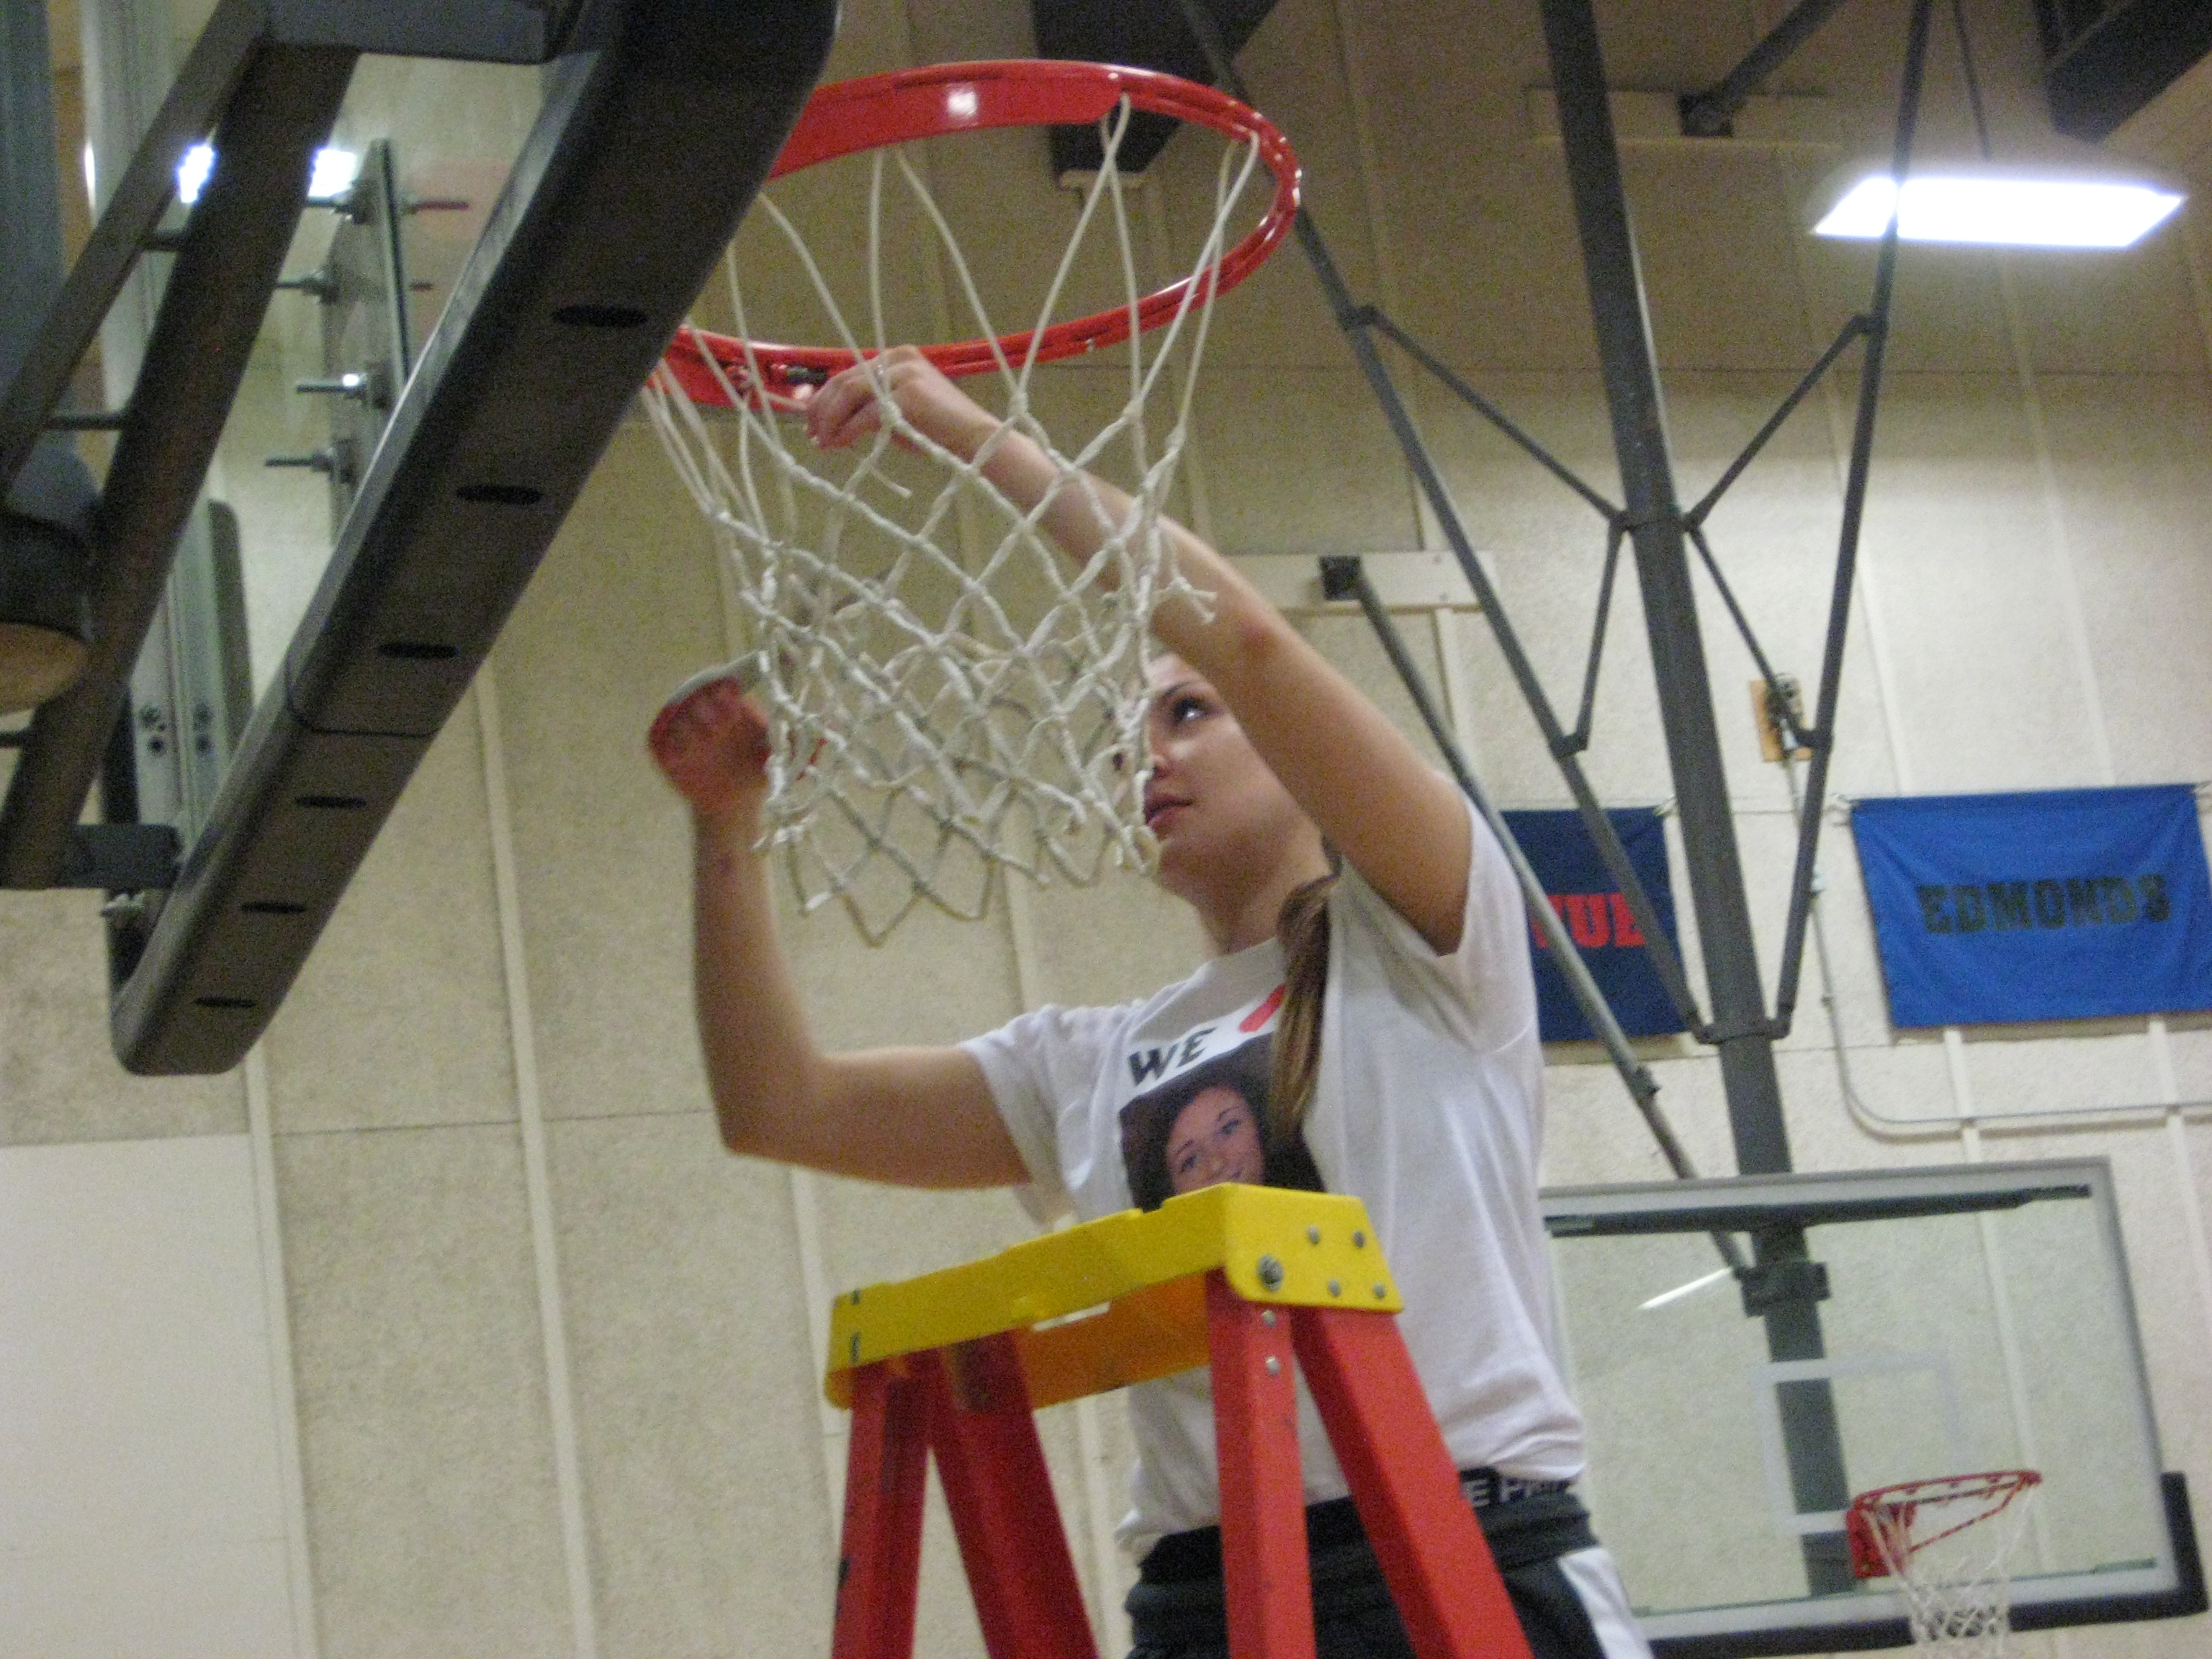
(1209, 799)
(1215, 1138)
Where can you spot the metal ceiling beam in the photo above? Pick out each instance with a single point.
(1706, 114)
(195, 100)
(655, 134)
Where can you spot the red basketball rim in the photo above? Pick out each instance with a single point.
(1993, 1491)
(851, 116)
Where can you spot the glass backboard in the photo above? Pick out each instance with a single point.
(1973, 1318)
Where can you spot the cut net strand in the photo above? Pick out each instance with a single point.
(949, 696)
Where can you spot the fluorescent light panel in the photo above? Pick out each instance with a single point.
(2007, 211)
(335, 170)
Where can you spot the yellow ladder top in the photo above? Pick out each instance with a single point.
(1121, 1299)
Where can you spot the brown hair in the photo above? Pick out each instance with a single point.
(1302, 926)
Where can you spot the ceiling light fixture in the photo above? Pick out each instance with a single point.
(333, 173)
(1995, 207)
(2076, 198)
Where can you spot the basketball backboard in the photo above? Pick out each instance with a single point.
(576, 210)
(1973, 1318)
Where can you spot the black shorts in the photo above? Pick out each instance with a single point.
(1177, 1611)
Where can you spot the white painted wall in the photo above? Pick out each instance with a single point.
(140, 1449)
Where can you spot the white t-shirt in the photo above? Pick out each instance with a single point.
(1428, 1106)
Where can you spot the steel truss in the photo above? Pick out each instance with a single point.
(1660, 532)
(1781, 1285)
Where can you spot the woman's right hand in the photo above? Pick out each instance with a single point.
(713, 747)
(847, 408)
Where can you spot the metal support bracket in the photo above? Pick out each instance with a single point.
(368, 347)
(122, 858)
(1708, 113)
(1782, 1282)
(1343, 576)
(1666, 961)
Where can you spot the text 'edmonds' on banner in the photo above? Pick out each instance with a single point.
(2061, 904)
(1589, 902)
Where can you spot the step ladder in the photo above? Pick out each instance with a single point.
(1248, 1278)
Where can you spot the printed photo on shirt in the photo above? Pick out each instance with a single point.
(1207, 1124)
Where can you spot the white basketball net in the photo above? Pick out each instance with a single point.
(947, 695)
(1949, 1545)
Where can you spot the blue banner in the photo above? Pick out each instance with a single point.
(2063, 904)
(1589, 902)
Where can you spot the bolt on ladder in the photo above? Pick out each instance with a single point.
(1247, 1278)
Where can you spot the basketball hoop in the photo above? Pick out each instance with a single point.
(965, 700)
(1948, 1544)
(881, 110)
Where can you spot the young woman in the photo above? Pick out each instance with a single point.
(1367, 1025)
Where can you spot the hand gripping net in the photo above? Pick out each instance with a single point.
(946, 694)
(1948, 1544)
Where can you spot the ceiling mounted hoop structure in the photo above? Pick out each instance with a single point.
(877, 112)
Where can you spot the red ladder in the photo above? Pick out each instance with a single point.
(1245, 1278)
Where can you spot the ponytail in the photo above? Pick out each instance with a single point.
(1302, 926)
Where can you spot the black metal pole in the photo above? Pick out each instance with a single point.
(1343, 575)
(1785, 1287)
(1823, 734)
(1655, 531)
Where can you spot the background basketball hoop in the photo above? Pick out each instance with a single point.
(967, 700)
(1948, 1543)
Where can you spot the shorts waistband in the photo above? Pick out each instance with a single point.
(1183, 1556)
(1486, 1486)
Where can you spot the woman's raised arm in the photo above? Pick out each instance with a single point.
(919, 1117)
